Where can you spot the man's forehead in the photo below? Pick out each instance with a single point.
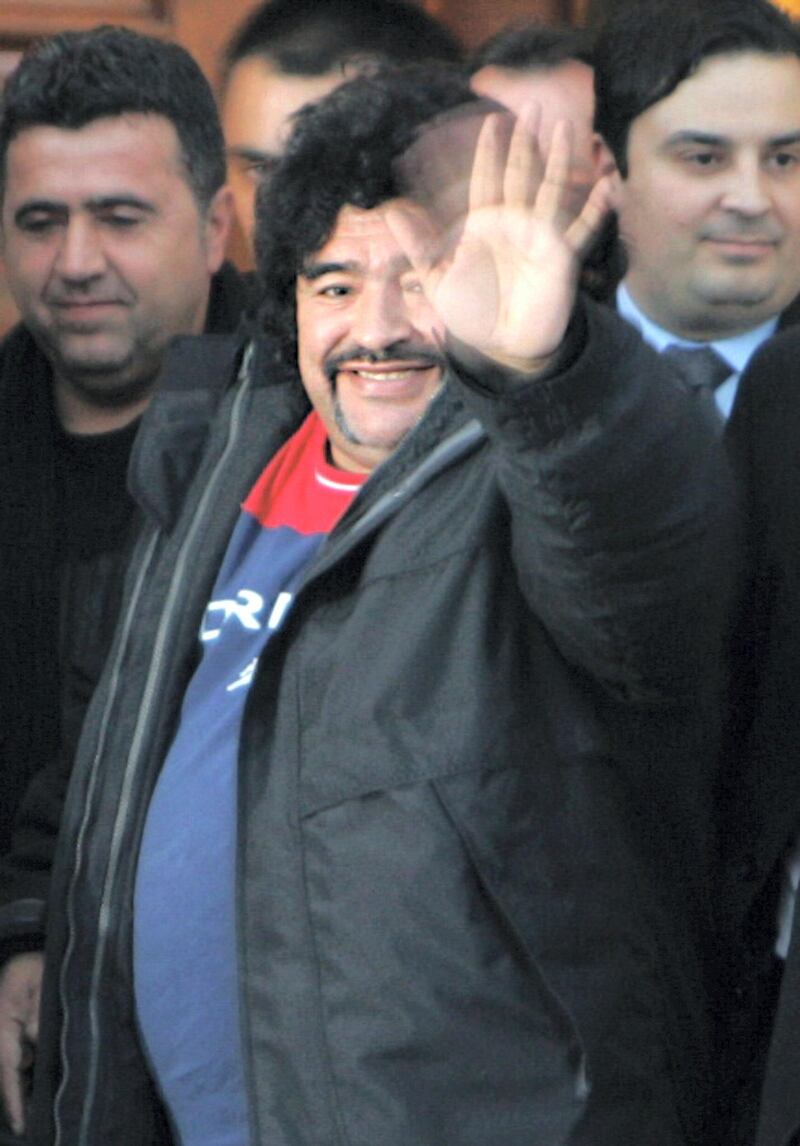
(733, 92)
(118, 138)
(260, 102)
(358, 235)
(571, 83)
(104, 157)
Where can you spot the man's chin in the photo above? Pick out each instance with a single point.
(379, 434)
(107, 382)
(756, 300)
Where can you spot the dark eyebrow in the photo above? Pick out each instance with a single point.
(702, 137)
(785, 140)
(251, 155)
(313, 271)
(100, 203)
(707, 139)
(109, 202)
(33, 206)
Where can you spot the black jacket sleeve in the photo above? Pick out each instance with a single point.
(622, 505)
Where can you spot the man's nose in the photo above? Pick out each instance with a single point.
(80, 254)
(748, 189)
(382, 317)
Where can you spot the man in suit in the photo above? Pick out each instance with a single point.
(760, 777)
(699, 104)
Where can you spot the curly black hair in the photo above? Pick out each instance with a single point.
(342, 152)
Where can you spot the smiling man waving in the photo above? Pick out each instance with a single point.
(368, 831)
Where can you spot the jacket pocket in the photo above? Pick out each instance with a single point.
(440, 1026)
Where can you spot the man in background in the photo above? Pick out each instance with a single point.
(699, 104)
(531, 62)
(115, 218)
(291, 52)
(760, 780)
(551, 66)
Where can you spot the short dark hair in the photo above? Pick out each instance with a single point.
(530, 45)
(312, 37)
(647, 48)
(74, 78)
(342, 152)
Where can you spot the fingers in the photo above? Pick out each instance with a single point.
(12, 1065)
(436, 169)
(586, 228)
(20, 986)
(524, 168)
(555, 185)
(512, 168)
(489, 164)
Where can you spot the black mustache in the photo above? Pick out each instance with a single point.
(399, 351)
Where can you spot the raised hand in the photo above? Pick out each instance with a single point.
(503, 278)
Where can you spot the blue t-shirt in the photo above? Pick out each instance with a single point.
(185, 951)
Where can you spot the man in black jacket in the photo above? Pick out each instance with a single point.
(114, 223)
(699, 102)
(761, 779)
(389, 814)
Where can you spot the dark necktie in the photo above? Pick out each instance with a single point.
(702, 370)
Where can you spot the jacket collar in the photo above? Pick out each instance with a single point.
(203, 372)
(228, 301)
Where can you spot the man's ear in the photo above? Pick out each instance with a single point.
(602, 158)
(605, 164)
(218, 223)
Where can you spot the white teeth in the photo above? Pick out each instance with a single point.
(385, 375)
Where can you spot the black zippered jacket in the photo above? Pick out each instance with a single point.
(473, 773)
(59, 594)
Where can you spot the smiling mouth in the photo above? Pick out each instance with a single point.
(744, 253)
(744, 243)
(85, 304)
(381, 373)
(87, 315)
(393, 380)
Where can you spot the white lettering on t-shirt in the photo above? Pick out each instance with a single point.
(245, 609)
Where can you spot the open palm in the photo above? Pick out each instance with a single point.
(504, 280)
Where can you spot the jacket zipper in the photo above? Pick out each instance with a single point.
(353, 529)
(453, 447)
(131, 768)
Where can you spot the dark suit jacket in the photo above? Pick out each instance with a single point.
(760, 782)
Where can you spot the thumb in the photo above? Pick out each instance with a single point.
(414, 232)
